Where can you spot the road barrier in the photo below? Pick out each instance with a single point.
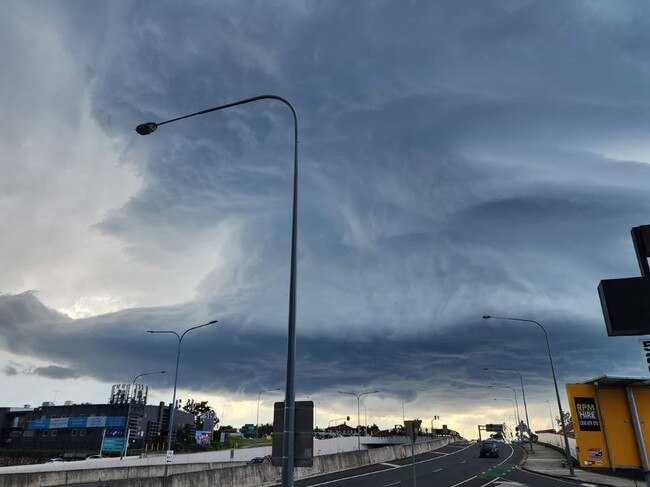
(224, 475)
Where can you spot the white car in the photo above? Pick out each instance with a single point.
(96, 457)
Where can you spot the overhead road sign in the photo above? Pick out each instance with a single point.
(626, 302)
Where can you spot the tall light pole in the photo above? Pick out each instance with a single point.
(257, 424)
(511, 402)
(517, 417)
(290, 398)
(128, 411)
(550, 414)
(358, 396)
(567, 451)
(523, 393)
(178, 358)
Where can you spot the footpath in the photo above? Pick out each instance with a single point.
(547, 461)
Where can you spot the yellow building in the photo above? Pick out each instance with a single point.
(611, 417)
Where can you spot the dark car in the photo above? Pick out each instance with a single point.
(265, 459)
(489, 449)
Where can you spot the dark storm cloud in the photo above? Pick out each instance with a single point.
(10, 370)
(56, 372)
(227, 358)
(456, 160)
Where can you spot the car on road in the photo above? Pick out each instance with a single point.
(96, 457)
(266, 459)
(55, 460)
(489, 449)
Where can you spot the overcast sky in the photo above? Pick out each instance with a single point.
(456, 159)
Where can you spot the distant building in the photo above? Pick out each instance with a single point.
(341, 429)
(80, 428)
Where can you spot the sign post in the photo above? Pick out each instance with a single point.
(412, 428)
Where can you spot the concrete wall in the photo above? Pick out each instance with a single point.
(224, 475)
(558, 441)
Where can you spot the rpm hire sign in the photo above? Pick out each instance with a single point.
(587, 414)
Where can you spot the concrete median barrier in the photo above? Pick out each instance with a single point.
(224, 475)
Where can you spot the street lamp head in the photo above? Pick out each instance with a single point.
(212, 322)
(486, 317)
(146, 128)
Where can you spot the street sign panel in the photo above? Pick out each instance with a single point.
(626, 305)
(169, 457)
(412, 428)
(494, 427)
(304, 434)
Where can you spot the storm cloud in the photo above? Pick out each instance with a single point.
(456, 160)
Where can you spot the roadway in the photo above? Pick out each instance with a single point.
(456, 465)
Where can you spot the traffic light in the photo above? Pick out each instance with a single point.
(348, 418)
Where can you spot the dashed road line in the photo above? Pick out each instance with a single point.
(466, 480)
(441, 469)
(390, 465)
(394, 483)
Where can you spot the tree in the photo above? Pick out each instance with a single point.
(265, 429)
(373, 429)
(567, 419)
(198, 409)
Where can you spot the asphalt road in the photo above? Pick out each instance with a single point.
(455, 465)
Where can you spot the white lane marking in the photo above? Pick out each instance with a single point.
(466, 480)
(440, 470)
(452, 453)
(493, 480)
(439, 453)
(396, 466)
(464, 461)
(384, 471)
(589, 485)
(394, 483)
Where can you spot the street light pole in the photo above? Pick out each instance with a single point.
(517, 417)
(513, 406)
(550, 414)
(128, 411)
(257, 424)
(523, 393)
(290, 397)
(358, 396)
(178, 358)
(567, 451)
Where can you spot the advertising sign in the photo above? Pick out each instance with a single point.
(58, 423)
(114, 433)
(39, 424)
(203, 437)
(77, 422)
(96, 421)
(113, 421)
(591, 445)
(595, 452)
(113, 444)
(587, 414)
